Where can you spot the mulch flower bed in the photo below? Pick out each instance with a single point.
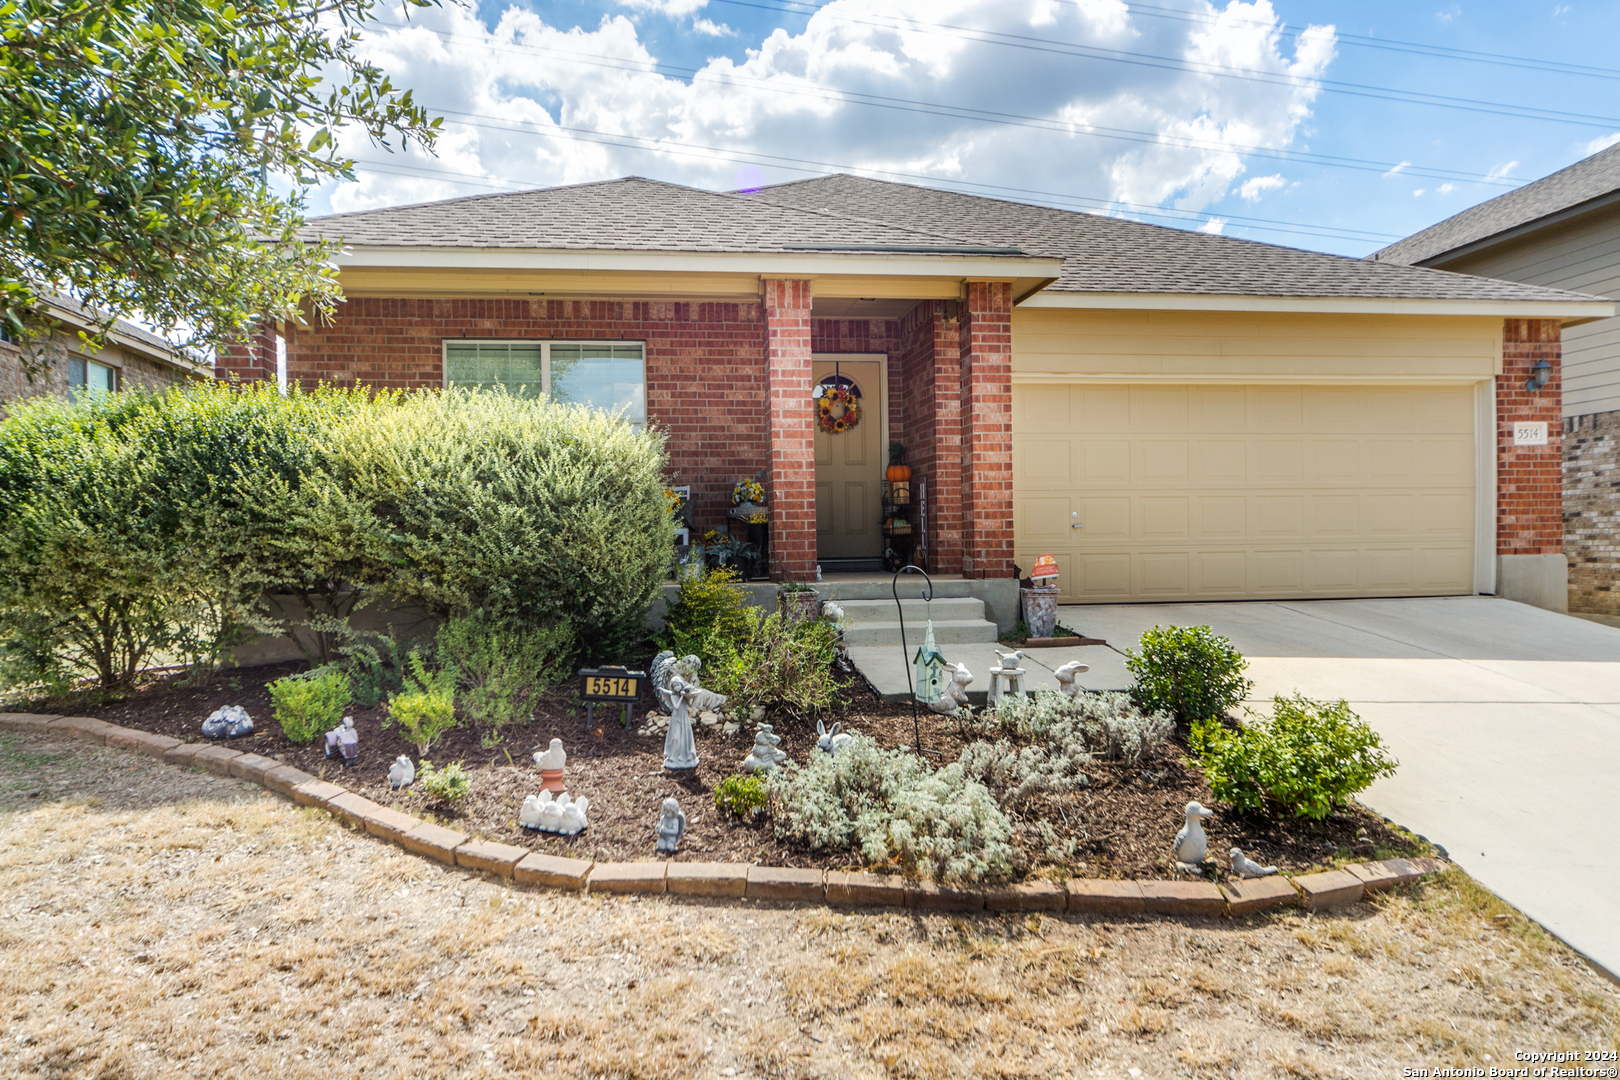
(1122, 823)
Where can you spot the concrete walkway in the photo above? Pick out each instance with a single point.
(1505, 720)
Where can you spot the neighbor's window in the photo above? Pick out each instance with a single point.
(607, 375)
(87, 375)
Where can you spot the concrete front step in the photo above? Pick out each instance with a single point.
(864, 612)
(946, 632)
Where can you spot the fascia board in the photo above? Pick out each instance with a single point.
(1571, 312)
(1550, 220)
(765, 264)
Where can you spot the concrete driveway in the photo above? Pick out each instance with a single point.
(1505, 719)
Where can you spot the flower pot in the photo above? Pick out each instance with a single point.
(552, 780)
(798, 606)
(1040, 609)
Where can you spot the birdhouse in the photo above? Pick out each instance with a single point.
(929, 672)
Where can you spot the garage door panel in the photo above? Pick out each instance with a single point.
(1238, 491)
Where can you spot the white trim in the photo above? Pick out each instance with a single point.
(1485, 487)
(763, 264)
(1246, 378)
(1569, 310)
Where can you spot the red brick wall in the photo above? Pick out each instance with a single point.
(928, 396)
(705, 367)
(792, 432)
(253, 361)
(986, 402)
(1529, 479)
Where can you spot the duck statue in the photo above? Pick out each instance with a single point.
(1192, 844)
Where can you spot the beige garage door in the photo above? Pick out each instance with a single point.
(1227, 492)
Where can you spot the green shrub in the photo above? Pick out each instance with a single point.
(1308, 759)
(894, 810)
(709, 604)
(503, 667)
(448, 785)
(374, 662)
(307, 705)
(743, 796)
(529, 510)
(426, 707)
(1106, 725)
(1190, 672)
(778, 664)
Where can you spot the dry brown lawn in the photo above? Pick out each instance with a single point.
(156, 922)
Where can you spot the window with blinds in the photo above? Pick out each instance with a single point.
(605, 375)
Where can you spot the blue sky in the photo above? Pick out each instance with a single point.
(1214, 116)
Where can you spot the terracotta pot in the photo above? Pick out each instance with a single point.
(552, 780)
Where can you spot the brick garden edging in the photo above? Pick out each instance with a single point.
(1315, 892)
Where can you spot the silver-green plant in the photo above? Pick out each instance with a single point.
(1106, 725)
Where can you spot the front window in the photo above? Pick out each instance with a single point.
(87, 376)
(604, 375)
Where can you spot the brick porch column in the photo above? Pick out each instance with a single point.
(792, 431)
(251, 361)
(986, 397)
(1530, 563)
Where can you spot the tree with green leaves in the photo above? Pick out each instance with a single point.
(140, 140)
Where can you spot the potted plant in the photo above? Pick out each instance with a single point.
(799, 601)
(748, 506)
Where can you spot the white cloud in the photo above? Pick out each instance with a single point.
(1445, 189)
(673, 8)
(1602, 142)
(1562, 9)
(1501, 171)
(1448, 14)
(541, 79)
(1254, 187)
(1417, 193)
(1213, 226)
(1398, 168)
(712, 29)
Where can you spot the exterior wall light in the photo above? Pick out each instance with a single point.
(1538, 376)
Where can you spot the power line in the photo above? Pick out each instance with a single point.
(1149, 60)
(987, 116)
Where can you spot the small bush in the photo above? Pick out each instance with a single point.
(1107, 725)
(1308, 759)
(709, 604)
(426, 707)
(307, 705)
(503, 667)
(1188, 671)
(779, 664)
(743, 796)
(1015, 775)
(893, 809)
(373, 661)
(448, 785)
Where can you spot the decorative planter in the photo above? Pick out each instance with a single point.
(552, 780)
(798, 606)
(1040, 609)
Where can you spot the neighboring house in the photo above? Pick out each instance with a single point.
(1174, 416)
(131, 357)
(1562, 231)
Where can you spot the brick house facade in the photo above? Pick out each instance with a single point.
(962, 310)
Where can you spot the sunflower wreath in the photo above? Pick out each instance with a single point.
(830, 398)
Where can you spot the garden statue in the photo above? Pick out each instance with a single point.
(671, 826)
(1242, 866)
(830, 741)
(765, 755)
(832, 612)
(345, 740)
(227, 723)
(551, 813)
(573, 815)
(529, 816)
(664, 669)
(551, 762)
(680, 750)
(954, 694)
(1191, 844)
(1009, 660)
(1065, 677)
(401, 773)
(1008, 678)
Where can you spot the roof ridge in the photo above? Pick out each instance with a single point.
(488, 195)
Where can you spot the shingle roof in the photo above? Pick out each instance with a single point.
(632, 214)
(1112, 255)
(1587, 179)
(71, 307)
(850, 213)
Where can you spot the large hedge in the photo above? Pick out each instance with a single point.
(140, 526)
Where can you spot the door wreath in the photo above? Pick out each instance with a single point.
(837, 409)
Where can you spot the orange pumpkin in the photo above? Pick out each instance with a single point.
(897, 473)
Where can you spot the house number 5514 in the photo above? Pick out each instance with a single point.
(1530, 433)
